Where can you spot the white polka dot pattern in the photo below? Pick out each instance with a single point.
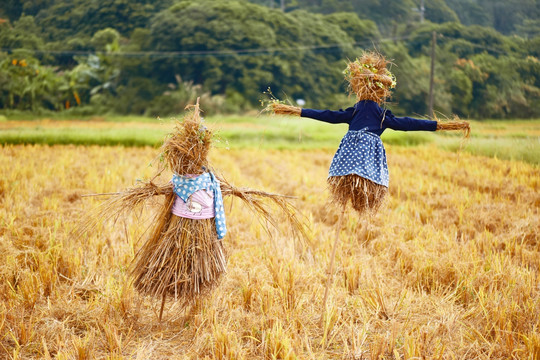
(362, 153)
(185, 186)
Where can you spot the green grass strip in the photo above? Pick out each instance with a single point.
(510, 140)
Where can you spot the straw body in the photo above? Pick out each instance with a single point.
(363, 194)
(182, 258)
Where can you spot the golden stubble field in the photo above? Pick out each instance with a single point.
(448, 269)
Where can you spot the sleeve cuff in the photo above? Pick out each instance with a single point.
(432, 125)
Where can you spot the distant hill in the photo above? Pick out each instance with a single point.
(152, 57)
(505, 16)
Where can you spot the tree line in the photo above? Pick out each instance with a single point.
(153, 58)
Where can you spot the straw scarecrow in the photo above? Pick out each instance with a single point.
(184, 256)
(359, 171)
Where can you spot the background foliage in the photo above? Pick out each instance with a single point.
(152, 58)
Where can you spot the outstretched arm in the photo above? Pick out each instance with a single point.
(455, 124)
(121, 203)
(410, 124)
(260, 203)
(406, 123)
(329, 116)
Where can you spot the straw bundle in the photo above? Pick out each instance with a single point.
(186, 149)
(364, 194)
(260, 203)
(282, 109)
(454, 125)
(182, 258)
(368, 77)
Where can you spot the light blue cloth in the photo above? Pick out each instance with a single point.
(361, 152)
(184, 187)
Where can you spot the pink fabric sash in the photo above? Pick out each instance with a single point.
(200, 205)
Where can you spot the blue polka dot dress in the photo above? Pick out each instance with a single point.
(362, 153)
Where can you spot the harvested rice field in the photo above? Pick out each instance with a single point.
(448, 269)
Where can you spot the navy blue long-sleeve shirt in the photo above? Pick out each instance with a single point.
(368, 114)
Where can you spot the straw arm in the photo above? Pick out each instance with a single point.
(259, 202)
(242, 192)
(144, 191)
(459, 125)
(124, 202)
(282, 109)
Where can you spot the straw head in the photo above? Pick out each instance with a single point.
(368, 77)
(186, 149)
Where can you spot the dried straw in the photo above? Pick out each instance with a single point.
(182, 258)
(282, 109)
(455, 125)
(120, 204)
(257, 201)
(186, 149)
(368, 77)
(364, 194)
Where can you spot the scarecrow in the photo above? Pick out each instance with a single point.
(359, 172)
(184, 256)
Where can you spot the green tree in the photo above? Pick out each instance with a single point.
(507, 14)
(67, 19)
(299, 67)
(11, 9)
(470, 12)
(106, 40)
(26, 85)
(32, 7)
(502, 87)
(529, 28)
(230, 52)
(23, 35)
(461, 88)
(474, 40)
(437, 11)
(361, 31)
(412, 75)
